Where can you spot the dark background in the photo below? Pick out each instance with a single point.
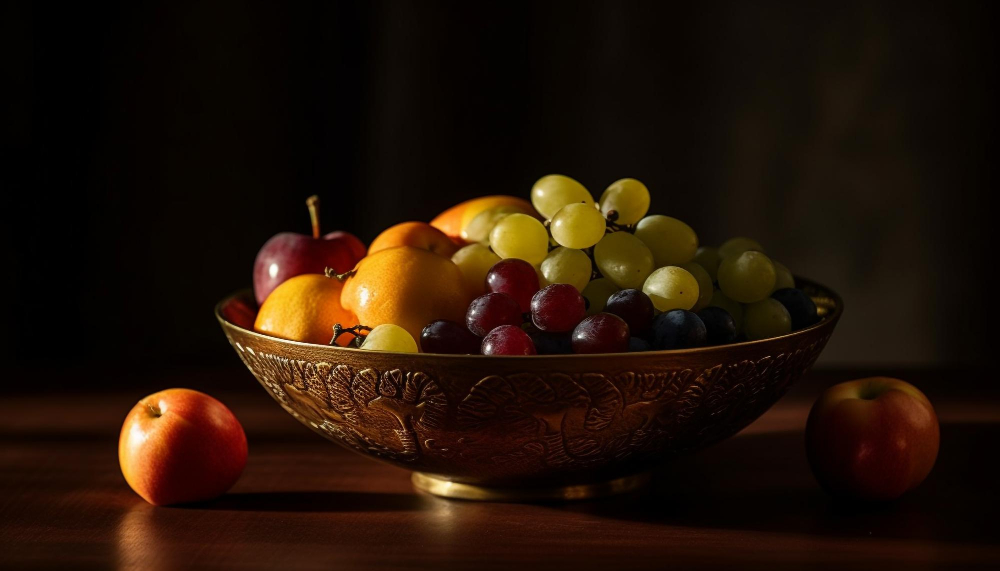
(152, 149)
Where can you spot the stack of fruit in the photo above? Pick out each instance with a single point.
(500, 276)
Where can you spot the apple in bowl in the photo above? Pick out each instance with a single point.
(289, 254)
(872, 439)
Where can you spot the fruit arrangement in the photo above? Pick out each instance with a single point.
(500, 275)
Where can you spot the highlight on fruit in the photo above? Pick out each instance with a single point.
(501, 275)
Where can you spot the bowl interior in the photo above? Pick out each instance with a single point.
(240, 310)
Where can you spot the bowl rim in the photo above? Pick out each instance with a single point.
(828, 321)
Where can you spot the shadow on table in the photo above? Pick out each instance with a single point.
(762, 482)
(316, 501)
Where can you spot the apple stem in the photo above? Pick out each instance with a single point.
(332, 273)
(312, 203)
(356, 331)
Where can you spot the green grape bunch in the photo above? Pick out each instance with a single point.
(604, 246)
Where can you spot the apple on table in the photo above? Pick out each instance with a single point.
(180, 446)
(289, 254)
(872, 439)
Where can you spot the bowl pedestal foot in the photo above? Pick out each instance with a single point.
(455, 490)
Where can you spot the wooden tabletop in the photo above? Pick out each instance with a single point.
(305, 503)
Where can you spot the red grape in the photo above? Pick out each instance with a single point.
(515, 278)
(634, 307)
(443, 336)
(601, 333)
(558, 308)
(508, 340)
(492, 310)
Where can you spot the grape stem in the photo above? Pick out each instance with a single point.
(332, 273)
(595, 272)
(612, 227)
(312, 203)
(356, 331)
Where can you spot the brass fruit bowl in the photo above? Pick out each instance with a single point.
(527, 428)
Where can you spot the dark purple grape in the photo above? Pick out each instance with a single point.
(634, 307)
(443, 336)
(508, 340)
(800, 306)
(601, 333)
(515, 278)
(678, 329)
(557, 308)
(490, 311)
(638, 345)
(720, 328)
(552, 343)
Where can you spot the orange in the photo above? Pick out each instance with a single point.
(417, 234)
(406, 286)
(456, 218)
(305, 308)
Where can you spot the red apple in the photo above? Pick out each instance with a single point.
(872, 439)
(180, 446)
(288, 254)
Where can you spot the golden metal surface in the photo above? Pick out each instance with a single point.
(565, 422)
(455, 490)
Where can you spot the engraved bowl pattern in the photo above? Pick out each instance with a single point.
(527, 421)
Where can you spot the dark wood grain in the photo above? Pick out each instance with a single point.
(305, 503)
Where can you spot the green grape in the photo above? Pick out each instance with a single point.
(475, 261)
(734, 308)
(479, 228)
(736, 246)
(520, 236)
(765, 319)
(748, 277)
(577, 226)
(708, 258)
(623, 259)
(597, 293)
(567, 266)
(542, 280)
(554, 191)
(627, 197)
(782, 276)
(671, 241)
(672, 287)
(389, 337)
(705, 287)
